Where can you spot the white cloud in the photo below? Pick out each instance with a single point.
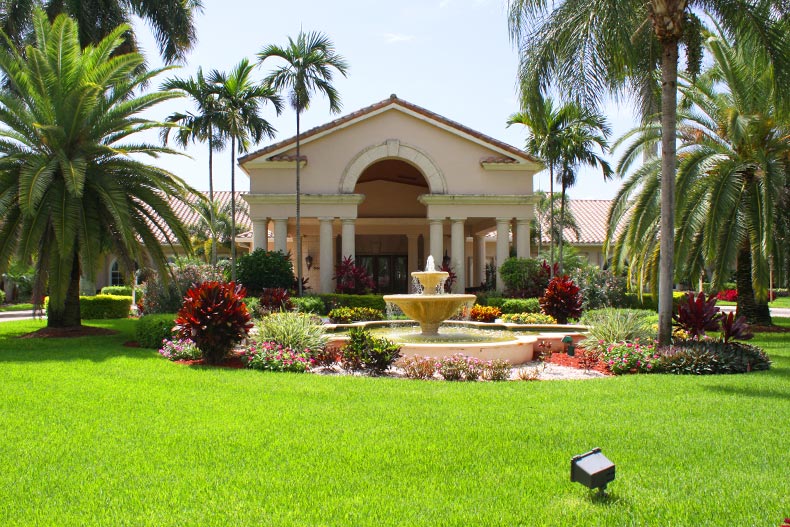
(393, 38)
(444, 3)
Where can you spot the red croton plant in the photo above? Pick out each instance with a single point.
(562, 299)
(215, 318)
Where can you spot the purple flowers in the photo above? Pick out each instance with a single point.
(180, 349)
(274, 357)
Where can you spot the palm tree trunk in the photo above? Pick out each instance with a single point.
(212, 219)
(551, 216)
(233, 209)
(562, 223)
(298, 239)
(70, 316)
(669, 96)
(754, 312)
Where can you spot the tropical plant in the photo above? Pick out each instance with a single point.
(588, 48)
(71, 183)
(274, 299)
(418, 367)
(480, 313)
(525, 277)
(732, 169)
(270, 356)
(734, 327)
(172, 22)
(179, 349)
(309, 61)
(199, 126)
(300, 332)
(562, 299)
(239, 119)
(698, 314)
(547, 210)
(701, 357)
(347, 315)
(215, 317)
(528, 318)
(364, 351)
(631, 357)
(607, 326)
(163, 292)
(212, 228)
(351, 278)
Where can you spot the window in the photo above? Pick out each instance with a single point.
(116, 277)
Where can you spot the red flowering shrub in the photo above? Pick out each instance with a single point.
(214, 317)
(697, 314)
(352, 279)
(484, 313)
(728, 295)
(562, 299)
(275, 299)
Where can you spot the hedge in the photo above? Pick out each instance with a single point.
(102, 306)
(333, 300)
(309, 304)
(153, 329)
(632, 301)
(117, 290)
(520, 305)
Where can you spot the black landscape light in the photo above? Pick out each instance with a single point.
(593, 470)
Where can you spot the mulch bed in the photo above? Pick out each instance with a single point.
(563, 359)
(769, 329)
(72, 332)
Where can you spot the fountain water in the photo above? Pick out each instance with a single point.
(431, 306)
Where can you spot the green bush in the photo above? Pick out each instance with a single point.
(167, 295)
(525, 277)
(105, 306)
(117, 290)
(253, 304)
(632, 301)
(309, 304)
(600, 287)
(520, 305)
(364, 351)
(300, 332)
(2, 296)
(153, 329)
(493, 301)
(528, 318)
(334, 300)
(612, 325)
(347, 315)
(262, 269)
(700, 357)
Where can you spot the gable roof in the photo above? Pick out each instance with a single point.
(393, 102)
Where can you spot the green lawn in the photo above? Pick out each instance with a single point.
(95, 433)
(782, 301)
(16, 307)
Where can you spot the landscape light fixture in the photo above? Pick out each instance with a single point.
(309, 261)
(571, 348)
(593, 470)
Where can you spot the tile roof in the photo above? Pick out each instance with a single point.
(391, 100)
(189, 217)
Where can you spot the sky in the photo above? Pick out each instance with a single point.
(452, 57)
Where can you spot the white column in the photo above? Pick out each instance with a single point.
(413, 263)
(522, 238)
(281, 235)
(260, 234)
(437, 241)
(502, 248)
(479, 249)
(458, 264)
(326, 257)
(348, 243)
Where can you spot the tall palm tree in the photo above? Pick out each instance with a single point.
(198, 126)
(213, 227)
(309, 61)
(587, 48)
(545, 207)
(734, 158)
(172, 21)
(240, 101)
(70, 182)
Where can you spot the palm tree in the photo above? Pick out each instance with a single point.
(545, 207)
(563, 138)
(309, 61)
(587, 48)
(199, 126)
(240, 101)
(733, 169)
(172, 22)
(70, 183)
(213, 227)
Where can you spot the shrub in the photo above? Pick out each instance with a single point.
(520, 305)
(418, 367)
(162, 295)
(525, 277)
(2, 296)
(627, 357)
(528, 318)
(271, 356)
(151, 330)
(648, 301)
(484, 313)
(616, 325)
(706, 356)
(459, 367)
(696, 315)
(117, 290)
(180, 349)
(497, 370)
(728, 295)
(215, 318)
(351, 278)
(105, 306)
(274, 299)
(301, 332)
(253, 305)
(562, 299)
(334, 300)
(600, 287)
(309, 304)
(347, 315)
(734, 329)
(263, 269)
(364, 351)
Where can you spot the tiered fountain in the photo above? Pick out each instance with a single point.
(431, 306)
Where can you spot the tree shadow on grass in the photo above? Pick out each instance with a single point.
(751, 392)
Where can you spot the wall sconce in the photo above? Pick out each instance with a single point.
(309, 261)
(593, 470)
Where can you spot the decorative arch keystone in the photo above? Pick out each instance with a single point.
(393, 149)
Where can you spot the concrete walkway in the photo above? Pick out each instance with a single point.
(775, 311)
(16, 315)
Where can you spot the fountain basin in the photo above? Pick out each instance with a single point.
(430, 310)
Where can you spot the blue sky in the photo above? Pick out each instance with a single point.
(452, 57)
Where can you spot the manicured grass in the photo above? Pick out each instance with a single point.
(95, 433)
(16, 307)
(782, 301)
